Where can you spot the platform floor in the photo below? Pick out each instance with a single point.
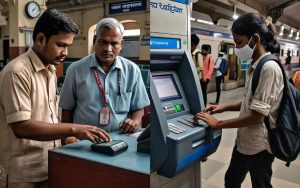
(213, 170)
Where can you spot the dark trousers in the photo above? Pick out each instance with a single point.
(259, 166)
(204, 90)
(218, 87)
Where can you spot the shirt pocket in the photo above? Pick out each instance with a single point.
(123, 102)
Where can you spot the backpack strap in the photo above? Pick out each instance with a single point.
(256, 75)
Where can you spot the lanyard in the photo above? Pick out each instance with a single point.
(101, 87)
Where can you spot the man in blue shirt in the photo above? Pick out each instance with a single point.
(104, 89)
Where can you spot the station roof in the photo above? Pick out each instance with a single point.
(282, 11)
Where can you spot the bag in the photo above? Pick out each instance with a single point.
(284, 139)
(224, 67)
(196, 56)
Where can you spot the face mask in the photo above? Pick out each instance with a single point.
(245, 53)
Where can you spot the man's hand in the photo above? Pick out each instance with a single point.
(91, 133)
(129, 125)
(70, 140)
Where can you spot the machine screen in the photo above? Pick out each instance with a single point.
(166, 87)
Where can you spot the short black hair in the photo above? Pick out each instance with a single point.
(52, 22)
(206, 47)
(195, 39)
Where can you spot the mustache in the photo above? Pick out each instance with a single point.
(106, 53)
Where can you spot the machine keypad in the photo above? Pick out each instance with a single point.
(175, 129)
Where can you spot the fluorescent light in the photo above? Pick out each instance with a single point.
(234, 16)
(204, 22)
(281, 30)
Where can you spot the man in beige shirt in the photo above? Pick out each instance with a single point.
(28, 105)
(197, 56)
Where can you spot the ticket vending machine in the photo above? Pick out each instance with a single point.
(177, 142)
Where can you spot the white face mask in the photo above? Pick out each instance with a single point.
(245, 53)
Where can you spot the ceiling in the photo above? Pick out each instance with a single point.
(217, 9)
(224, 9)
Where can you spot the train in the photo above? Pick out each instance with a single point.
(220, 39)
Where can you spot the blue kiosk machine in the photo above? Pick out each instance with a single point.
(175, 93)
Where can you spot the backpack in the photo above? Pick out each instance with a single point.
(284, 139)
(224, 67)
(196, 56)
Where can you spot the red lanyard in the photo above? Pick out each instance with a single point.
(100, 86)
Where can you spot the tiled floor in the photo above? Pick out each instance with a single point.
(213, 170)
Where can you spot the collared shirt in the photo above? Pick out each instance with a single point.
(28, 91)
(199, 63)
(266, 101)
(81, 94)
(208, 67)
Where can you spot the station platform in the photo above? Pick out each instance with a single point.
(213, 170)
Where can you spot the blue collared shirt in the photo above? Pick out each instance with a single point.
(81, 94)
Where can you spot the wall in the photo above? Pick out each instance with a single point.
(84, 18)
(18, 21)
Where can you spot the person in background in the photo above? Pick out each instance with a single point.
(296, 79)
(197, 56)
(208, 69)
(288, 67)
(104, 89)
(254, 38)
(219, 75)
(288, 58)
(28, 120)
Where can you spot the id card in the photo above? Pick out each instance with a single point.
(104, 117)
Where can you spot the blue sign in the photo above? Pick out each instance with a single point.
(182, 1)
(164, 43)
(127, 6)
(211, 33)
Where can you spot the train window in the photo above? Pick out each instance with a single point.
(207, 46)
(281, 52)
(297, 53)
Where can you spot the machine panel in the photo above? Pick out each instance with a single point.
(176, 97)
